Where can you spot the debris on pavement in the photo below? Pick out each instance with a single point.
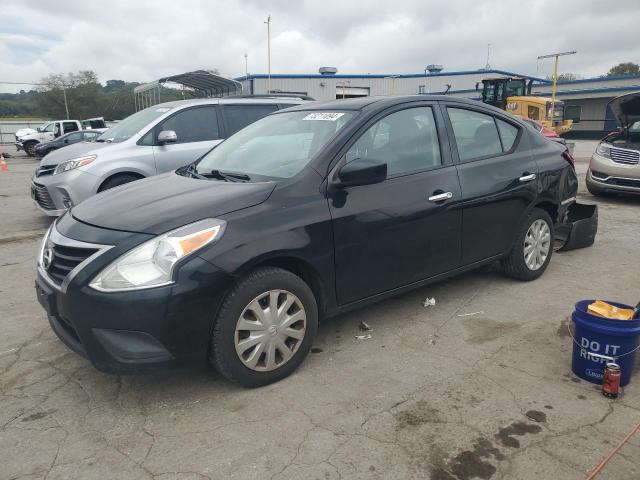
(429, 302)
(481, 312)
(364, 327)
(363, 337)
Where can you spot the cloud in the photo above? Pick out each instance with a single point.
(143, 40)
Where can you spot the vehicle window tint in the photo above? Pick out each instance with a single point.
(239, 116)
(476, 134)
(192, 125)
(508, 134)
(74, 137)
(69, 127)
(407, 140)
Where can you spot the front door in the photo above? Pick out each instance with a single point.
(406, 228)
(197, 130)
(498, 178)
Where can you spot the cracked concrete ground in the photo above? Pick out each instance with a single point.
(433, 394)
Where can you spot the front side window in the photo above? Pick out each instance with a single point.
(239, 116)
(132, 125)
(197, 124)
(406, 140)
(49, 127)
(476, 134)
(277, 146)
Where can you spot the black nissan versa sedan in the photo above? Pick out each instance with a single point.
(307, 213)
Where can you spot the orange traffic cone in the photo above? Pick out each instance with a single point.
(3, 165)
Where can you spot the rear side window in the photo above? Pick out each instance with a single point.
(69, 127)
(192, 125)
(508, 134)
(239, 116)
(90, 135)
(476, 134)
(74, 137)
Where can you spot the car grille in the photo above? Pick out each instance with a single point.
(41, 195)
(622, 155)
(46, 170)
(64, 259)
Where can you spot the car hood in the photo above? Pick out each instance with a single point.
(626, 108)
(73, 151)
(164, 202)
(25, 131)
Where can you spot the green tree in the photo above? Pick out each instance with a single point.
(628, 68)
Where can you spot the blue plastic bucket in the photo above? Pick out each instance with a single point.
(602, 336)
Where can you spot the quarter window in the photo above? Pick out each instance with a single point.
(192, 125)
(239, 116)
(407, 140)
(476, 134)
(508, 134)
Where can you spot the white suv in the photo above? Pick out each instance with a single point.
(152, 141)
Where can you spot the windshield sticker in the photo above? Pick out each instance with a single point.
(162, 109)
(326, 116)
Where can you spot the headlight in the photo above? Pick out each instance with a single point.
(603, 150)
(152, 263)
(75, 163)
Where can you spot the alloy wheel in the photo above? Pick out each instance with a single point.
(270, 330)
(537, 244)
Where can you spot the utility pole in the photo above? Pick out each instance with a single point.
(488, 66)
(246, 68)
(555, 79)
(268, 22)
(66, 106)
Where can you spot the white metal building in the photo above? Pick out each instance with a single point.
(585, 100)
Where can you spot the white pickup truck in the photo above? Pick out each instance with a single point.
(28, 138)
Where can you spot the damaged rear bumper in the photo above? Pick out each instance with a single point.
(579, 228)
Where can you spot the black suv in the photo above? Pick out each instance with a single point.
(307, 213)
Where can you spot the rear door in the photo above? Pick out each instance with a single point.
(406, 228)
(197, 129)
(238, 116)
(498, 178)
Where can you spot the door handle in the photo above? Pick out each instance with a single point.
(441, 196)
(528, 177)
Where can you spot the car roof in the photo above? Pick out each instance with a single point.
(362, 103)
(261, 100)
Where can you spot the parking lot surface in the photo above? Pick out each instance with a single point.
(478, 385)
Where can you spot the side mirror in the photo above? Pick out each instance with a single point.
(167, 136)
(361, 171)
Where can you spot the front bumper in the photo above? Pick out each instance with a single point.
(54, 194)
(19, 146)
(126, 332)
(606, 175)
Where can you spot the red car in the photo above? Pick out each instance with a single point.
(549, 133)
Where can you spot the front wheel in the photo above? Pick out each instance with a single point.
(533, 247)
(265, 328)
(30, 148)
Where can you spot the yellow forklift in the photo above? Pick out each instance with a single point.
(513, 94)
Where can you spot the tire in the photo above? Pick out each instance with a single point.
(240, 305)
(30, 148)
(515, 265)
(117, 180)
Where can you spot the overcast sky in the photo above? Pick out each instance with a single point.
(142, 40)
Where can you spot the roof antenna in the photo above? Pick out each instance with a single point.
(487, 66)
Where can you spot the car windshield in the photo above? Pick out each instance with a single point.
(277, 146)
(132, 124)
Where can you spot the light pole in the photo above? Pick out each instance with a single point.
(555, 78)
(246, 69)
(66, 106)
(268, 22)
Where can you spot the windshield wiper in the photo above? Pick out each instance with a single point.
(230, 176)
(190, 170)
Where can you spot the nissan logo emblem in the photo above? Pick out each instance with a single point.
(47, 257)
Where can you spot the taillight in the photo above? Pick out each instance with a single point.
(569, 158)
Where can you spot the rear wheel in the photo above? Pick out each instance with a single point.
(118, 180)
(265, 328)
(533, 247)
